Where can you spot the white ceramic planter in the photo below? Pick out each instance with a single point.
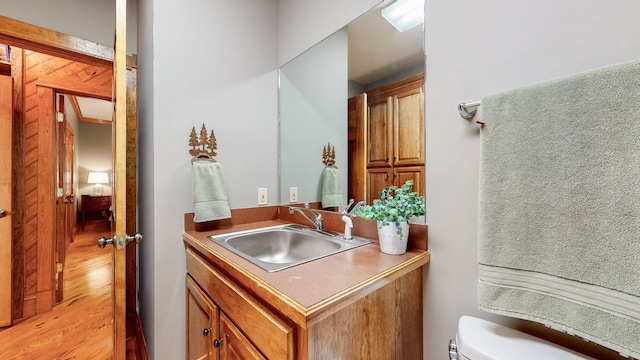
(390, 242)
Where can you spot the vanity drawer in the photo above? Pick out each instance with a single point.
(268, 332)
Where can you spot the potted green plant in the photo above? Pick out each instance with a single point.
(392, 211)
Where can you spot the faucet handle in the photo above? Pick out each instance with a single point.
(318, 220)
(346, 208)
(308, 207)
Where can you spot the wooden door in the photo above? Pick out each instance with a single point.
(408, 144)
(65, 208)
(357, 148)
(123, 207)
(6, 239)
(59, 246)
(67, 184)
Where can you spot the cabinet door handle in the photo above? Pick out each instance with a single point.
(206, 332)
(217, 342)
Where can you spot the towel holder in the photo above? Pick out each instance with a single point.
(203, 147)
(468, 110)
(329, 156)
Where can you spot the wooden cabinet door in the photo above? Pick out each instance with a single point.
(273, 335)
(408, 131)
(357, 147)
(415, 173)
(234, 344)
(380, 132)
(6, 239)
(202, 323)
(378, 179)
(395, 136)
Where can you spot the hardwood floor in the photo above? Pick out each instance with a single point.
(80, 326)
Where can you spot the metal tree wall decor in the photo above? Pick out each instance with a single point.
(203, 145)
(328, 155)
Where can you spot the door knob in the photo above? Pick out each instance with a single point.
(102, 242)
(119, 241)
(137, 238)
(3, 213)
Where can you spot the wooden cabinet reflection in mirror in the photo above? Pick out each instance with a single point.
(386, 138)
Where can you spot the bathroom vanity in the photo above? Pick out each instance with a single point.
(359, 303)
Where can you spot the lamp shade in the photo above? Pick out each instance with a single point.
(98, 178)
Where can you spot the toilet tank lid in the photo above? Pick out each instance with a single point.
(478, 339)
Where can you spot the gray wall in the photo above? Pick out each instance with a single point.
(304, 23)
(87, 19)
(94, 154)
(313, 112)
(475, 49)
(201, 61)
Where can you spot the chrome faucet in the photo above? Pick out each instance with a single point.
(346, 209)
(318, 217)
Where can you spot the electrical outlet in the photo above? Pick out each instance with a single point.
(262, 196)
(293, 194)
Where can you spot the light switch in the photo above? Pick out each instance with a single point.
(293, 194)
(262, 196)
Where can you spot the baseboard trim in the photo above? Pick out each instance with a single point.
(136, 345)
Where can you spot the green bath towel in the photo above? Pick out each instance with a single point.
(559, 210)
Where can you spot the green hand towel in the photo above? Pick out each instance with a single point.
(210, 199)
(331, 187)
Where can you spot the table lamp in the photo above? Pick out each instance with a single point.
(98, 178)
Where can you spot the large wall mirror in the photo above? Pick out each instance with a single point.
(315, 87)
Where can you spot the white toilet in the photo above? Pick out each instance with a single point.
(479, 339)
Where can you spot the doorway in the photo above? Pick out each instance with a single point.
(45, 149)
(84, 141)
(37, 155)
(24, 35)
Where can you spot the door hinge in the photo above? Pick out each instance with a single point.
(60, 117)
(59, 267)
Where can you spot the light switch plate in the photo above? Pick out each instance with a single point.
(262, 196)
(293, 194)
